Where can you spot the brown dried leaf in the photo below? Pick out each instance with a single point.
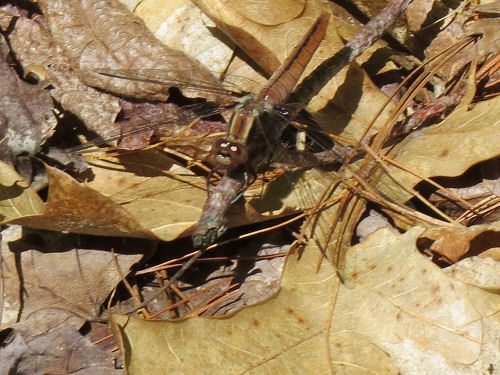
(437, 25)
(104, 35)
(490, 42)
(453, 243)
(62, 351)
(26, 117)
(317, 325)
(75, 208)
(34, 47)
(59, 286)
(165, 121)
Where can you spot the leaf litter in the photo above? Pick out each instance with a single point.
(393, 295)
(328, 326)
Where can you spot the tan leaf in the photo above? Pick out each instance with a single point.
(396, 299)
(160, 195)
(17, 197)
(480, 271)
(268, 12)
(466, 137)
(186, 29)
(73, 207)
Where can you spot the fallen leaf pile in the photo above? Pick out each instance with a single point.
(395, 266)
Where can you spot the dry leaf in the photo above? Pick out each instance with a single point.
(465, 138)
(268, 12)
(75, 208)
(26, 117)
(34, 47)
(161, 195)
(17, 197)
(98, 35)
(186, 29)
(48, 288)
(454, 243)
(62, 351)
(316, 325)
(485, 20)
(481, 271)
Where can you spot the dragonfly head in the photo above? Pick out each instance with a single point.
(229, 154)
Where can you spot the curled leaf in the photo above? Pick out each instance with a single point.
(105, 35)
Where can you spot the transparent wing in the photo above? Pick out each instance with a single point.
(123, 81)
(163, 116)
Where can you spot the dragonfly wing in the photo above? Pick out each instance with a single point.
(141, 120)
(155, 83)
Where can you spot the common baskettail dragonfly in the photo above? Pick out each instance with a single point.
(240, 145)
(244, 145)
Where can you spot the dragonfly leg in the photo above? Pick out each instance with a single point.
(209, 177)
(249, 177)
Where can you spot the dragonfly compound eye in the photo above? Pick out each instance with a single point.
(229, 154)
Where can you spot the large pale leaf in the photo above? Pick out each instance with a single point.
(396, 307)
(466, 137)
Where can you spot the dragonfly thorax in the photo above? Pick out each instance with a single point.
(231, 151)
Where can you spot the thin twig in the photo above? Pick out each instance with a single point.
(365, 38)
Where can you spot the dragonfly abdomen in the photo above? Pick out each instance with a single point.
(283, 80)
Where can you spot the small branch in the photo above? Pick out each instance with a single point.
(368, 35)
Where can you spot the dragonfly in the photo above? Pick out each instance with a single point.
(237, 146)
(244, 142)
(241, 142)
(244, 145)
